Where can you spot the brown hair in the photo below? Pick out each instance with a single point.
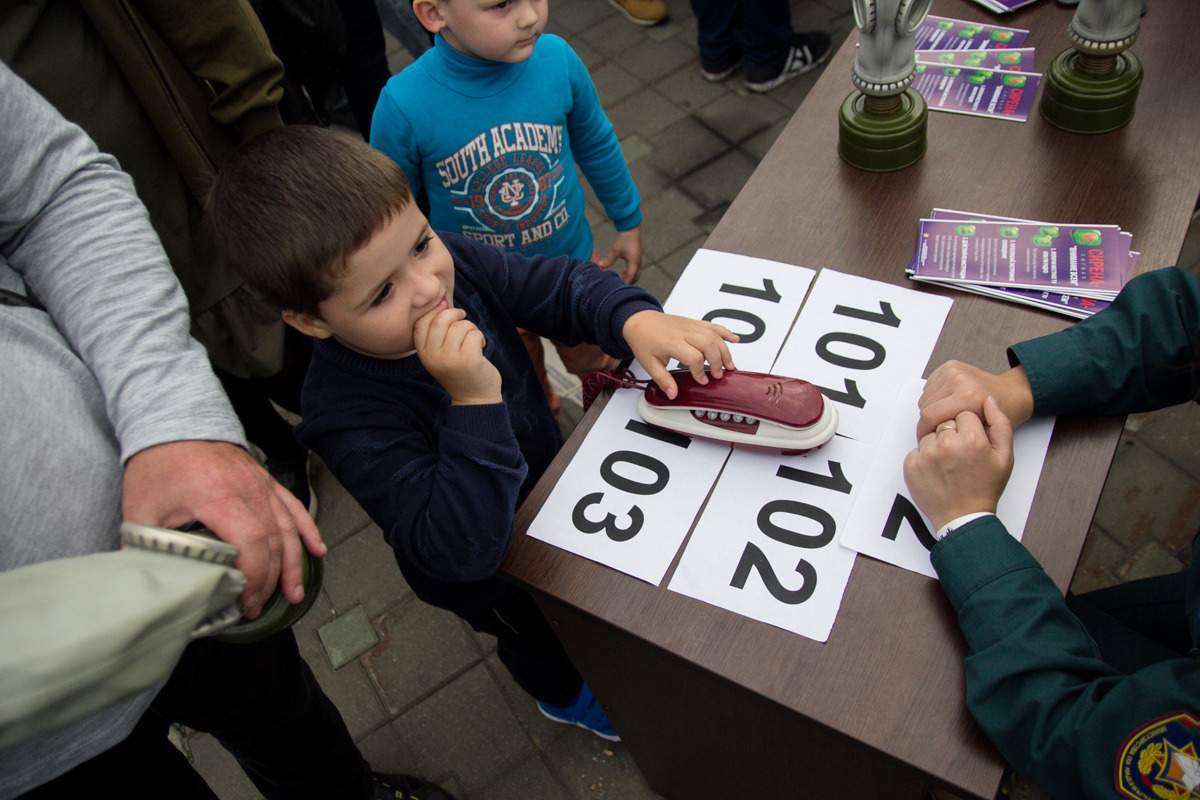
(292, 205)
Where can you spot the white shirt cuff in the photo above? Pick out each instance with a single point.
(959, 522)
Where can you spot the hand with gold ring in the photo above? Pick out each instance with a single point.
(964, 473)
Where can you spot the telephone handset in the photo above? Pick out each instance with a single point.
(753, 410)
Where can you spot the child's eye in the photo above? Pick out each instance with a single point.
(422, 245)
(384, 294)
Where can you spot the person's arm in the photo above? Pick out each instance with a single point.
(392, 133)
(1035, 681)
(222, 42)
(443, 488)
(1139, 354)
(598, 153)
(74, 231)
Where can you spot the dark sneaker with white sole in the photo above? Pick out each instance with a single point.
(719, 73)
(809, 50)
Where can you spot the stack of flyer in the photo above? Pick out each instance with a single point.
(1072, 269)
(971, 68)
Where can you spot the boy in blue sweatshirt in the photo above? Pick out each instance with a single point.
(491, 124)
(420, 396)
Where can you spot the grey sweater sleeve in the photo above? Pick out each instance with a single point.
(73, 232)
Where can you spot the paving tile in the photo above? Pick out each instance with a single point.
(1101, 557)
(651, 61)
(683, 147)
(645, 113)
(1147, 498)
(338, 515)
(648, 178)
(593, 769)
(676, 262)
(667, 30)
(1150, 560)
(421, 648)
(466, 730)
(540, 730)
(687, 88)
(579, 16)
(362, 571)
(634, 147)
(613, 84)
(386, 752)
(590, 56)
(738, 118)
(220, 769)
(531, 778)
(347, 637)
(667, 222)
(717, 183)
(614, 35)
(1174, 433)
(757, 145)
(353, 693)
(657, 282)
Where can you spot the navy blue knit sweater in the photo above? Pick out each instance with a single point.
(442, 481)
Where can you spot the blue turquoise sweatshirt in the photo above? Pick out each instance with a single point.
(495, 146)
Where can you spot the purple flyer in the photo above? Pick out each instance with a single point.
(1018, 59)
(1004, 6)
(1124, 270)
(942, 33)
(1070, 304)
(979, 92)
(1066, 259)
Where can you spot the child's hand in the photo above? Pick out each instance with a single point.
(451, 348)
(655, 338)
(627, 246)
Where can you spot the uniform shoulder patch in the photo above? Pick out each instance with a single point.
(1160, 761)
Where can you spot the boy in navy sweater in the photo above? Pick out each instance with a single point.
(421, 397)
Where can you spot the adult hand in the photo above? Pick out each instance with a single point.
(962, 466)
(655, 338)
(628, 246)
(221, 486)
(955, 387)
(451, 348)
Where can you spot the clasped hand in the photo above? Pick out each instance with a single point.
(964, 454)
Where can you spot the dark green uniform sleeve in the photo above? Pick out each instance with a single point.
(1137, 355)
(1035, 681)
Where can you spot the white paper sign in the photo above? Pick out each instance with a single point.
(766, 546)
(886, 524)
(858, 340)
(753, 297)
(630, 494)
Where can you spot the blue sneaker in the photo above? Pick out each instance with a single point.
(584, 712)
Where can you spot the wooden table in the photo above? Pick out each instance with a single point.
(715, 705)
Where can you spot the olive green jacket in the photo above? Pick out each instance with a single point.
(170, 88)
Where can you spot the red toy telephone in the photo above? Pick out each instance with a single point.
(753, 410)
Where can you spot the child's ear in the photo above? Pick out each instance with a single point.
(429, 14)
(309, 326)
